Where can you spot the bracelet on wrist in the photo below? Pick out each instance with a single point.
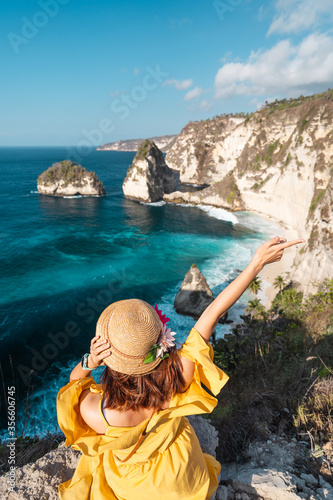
(84, 362)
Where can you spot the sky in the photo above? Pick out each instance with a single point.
(81, 73)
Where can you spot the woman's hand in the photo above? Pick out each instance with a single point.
(269, 252)
(272, 250)
(98, 351)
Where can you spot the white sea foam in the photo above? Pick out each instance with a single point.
(75, 196)
(34, 192)
(154, 203)
(259, 224)
(219, 213)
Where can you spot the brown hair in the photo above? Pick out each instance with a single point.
(131, 392)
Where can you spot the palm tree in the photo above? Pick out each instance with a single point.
(253, 306)
(255, 285)
(279, 282)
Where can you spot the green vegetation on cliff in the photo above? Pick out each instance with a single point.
(147, 147)
(280, 364)
(68, 172)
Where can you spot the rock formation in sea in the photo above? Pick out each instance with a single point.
(149, 177)
(194, 295)
(276, 162)
(67, 178)
(163, 142)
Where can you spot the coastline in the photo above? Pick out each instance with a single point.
(269, 273)
(283, 267)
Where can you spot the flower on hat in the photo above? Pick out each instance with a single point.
(164, 341)
(163, 318)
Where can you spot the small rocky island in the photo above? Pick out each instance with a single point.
(149, 177)
(194, 295)
(67, 178)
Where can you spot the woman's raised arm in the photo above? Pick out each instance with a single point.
(269, 252)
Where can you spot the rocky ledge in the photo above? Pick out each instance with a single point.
(149, 177)
(275, 470)
(67, 178)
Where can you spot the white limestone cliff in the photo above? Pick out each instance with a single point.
(277, 162)
(148, 178)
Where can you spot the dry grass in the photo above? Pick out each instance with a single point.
(28, 449)
(314, 415)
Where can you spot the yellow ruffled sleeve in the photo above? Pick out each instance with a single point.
(196, 399)
(69, 419)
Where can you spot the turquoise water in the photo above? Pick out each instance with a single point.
(64, 259)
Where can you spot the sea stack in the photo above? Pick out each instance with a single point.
(67, 178)
(149, 177)
(194, 294)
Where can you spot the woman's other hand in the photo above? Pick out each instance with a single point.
(272, 250)
(98, 351)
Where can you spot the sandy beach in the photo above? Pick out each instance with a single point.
(283, 268)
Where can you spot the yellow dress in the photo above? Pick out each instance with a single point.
(169, 463)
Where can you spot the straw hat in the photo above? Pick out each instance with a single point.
(132, 327)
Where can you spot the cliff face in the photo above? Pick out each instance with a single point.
(67, 178)
(277, 162)
(148, 178)
(163, 142)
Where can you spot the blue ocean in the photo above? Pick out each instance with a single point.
(63, 260)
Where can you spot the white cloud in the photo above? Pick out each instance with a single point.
(179, 84)
(226, 57)
(136, 71)
(284, 69)
(206, 105)
(294, 16)
(192, 94)
(261, 13)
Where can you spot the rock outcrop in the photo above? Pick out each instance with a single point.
(276, 162)
(194, 295)
(42, 478)
(149, 177)
(163, 143)
(67, 178)
(274, 471)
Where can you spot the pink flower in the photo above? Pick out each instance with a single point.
(165, 340)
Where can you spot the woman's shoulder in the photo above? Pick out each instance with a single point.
(89, 410)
